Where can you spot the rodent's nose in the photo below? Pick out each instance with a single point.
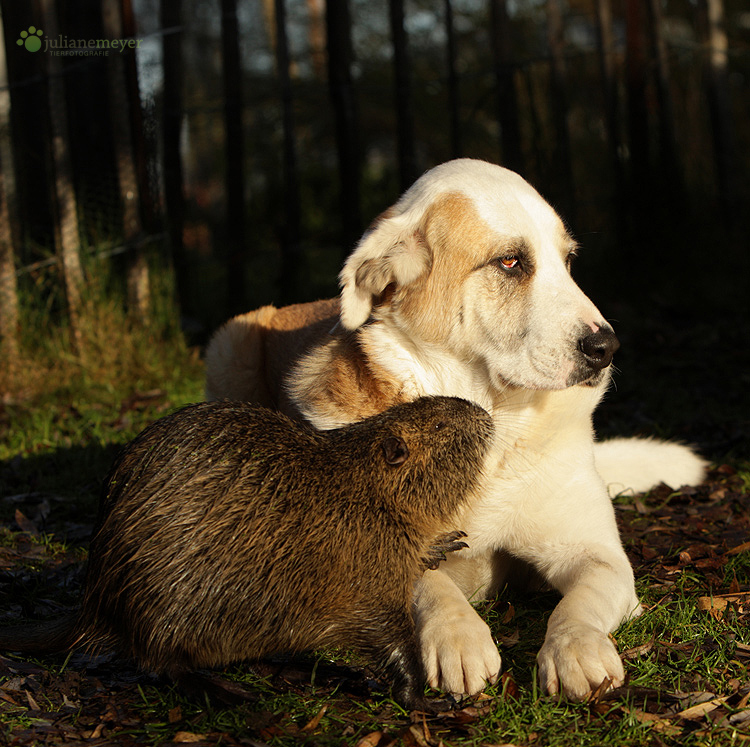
(599, 347)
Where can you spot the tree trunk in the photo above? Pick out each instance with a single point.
(711, 17)
(407, 159)
(317, 34)
(607, 54)
(638, 129)
(172, 113)
(234, 152)
(508, 117)
(8, 283)
(66, 231)
(339, 46)
(562, 164)
(291, 254)
(453, 92)
(673, 185)
(114, 13)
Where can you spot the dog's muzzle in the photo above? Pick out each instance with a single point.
(598, 348)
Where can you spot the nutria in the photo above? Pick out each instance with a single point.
(228, 532)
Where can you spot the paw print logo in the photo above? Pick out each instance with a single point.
(30, 39)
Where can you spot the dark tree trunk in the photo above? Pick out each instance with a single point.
(339, 46)
(29, 130)
(607, 54)
(291, 254)
(562, 163)
(454, 104)
(672, 180)
(233, 157)
(638, 119)
(508, 117)
(407, 159)
(66, 231)
(118, 23)
(8, 283)
(711, 18)
(172, 159)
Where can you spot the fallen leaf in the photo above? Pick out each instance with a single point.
(370, 740)
(509, 640)
(701, 709)
(708, 604)
(184, 737)
(595, 695)
(417, 733)
(32, 703)
(640, 507)
(4, 696)
(740, 718)
(313, 723)
(509, 686)
(97, 732)
(636, 651)
(25, 524)
(510, 613)
(740, 548)
(426, 729)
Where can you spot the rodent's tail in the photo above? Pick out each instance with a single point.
(44, 637)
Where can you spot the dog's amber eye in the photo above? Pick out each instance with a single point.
(510, 262)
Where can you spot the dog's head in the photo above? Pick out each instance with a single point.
(473, 261)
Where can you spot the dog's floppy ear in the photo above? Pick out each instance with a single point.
(393, 251)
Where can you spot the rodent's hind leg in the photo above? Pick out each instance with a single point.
(392, 643)
(442, 544)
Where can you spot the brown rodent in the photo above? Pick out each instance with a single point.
(228, 532)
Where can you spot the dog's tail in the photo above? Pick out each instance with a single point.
(635, 465)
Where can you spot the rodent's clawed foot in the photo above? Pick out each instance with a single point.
(443, 544)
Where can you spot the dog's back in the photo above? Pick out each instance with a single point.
(248, 357)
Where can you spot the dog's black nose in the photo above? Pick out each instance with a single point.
(599, 347)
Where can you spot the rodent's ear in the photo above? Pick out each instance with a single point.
(392, 252)
(395, 450)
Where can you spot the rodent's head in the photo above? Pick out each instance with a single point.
(435, 446)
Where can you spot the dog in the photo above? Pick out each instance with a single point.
(463, 288)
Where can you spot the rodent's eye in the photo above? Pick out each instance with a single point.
(440, 425)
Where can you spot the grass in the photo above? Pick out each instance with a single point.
(62, 423)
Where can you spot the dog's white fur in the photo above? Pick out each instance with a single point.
(463, 288)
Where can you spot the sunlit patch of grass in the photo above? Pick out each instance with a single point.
(115, 355)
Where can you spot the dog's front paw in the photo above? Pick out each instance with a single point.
(576, 658)
(459, 654)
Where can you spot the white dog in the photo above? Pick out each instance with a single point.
(463, 288)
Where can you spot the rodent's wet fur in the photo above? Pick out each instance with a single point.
(228, 532)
